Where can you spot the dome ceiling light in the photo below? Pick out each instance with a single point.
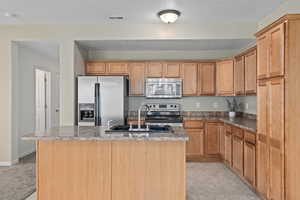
(169, 16)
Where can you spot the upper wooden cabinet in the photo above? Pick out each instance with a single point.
(172, 70)
(225, 81)
(239, 75)
(250, 72)
(117, 68)
(206, 79)
(95, 67)
(189, 76)
(155, 69)
(270, 52)
(137, 78)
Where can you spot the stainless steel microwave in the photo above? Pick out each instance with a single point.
(163, 87)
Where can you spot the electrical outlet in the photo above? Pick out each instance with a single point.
(198, 105)
(247, 106)
(215, 105)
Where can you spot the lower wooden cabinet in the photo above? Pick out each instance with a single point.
(212, 138)
(195, 145)
(222, 132)
(238, 155)
(228, 148)
(250, 163)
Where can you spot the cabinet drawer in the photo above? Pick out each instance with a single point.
(238, 132)
(193, 124)
(250, 137)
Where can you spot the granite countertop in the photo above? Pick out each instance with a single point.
(98, 133)
(241, 122)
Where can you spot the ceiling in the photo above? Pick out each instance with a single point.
(165, 45)
(133, 11)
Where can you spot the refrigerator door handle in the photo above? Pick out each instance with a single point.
(97, 105)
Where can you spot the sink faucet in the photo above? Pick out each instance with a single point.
(139, 113)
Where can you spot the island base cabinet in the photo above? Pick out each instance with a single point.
(111, 170)
(74, 170)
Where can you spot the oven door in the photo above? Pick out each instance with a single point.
(163, 88)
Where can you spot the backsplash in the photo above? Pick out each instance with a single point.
(199, 103)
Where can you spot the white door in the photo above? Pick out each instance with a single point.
(42, 100)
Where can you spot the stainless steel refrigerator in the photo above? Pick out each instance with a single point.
(102, 99)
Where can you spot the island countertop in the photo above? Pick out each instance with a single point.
(98, 133)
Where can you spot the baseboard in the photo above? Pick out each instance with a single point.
(9, 163)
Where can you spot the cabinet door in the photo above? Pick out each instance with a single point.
(276, 134)
(117, 68)
(94, 68)
(239, 75)
(189, 76)
(228, 148)
(206, 79)
(249, 163)
(263, 56)
(222, 131)
(195, 144)
(212, 139)
(250, 72)
(137, 78)
(172, 70)
(277, 51)
(262, 139)
(238, 155)
(155, 69)
(225, 77)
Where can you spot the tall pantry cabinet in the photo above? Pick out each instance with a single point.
(278, 138)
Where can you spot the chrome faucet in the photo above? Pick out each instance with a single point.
(139, 114)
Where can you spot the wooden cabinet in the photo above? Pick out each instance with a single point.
(95, 68)
(206, 79)
(276, 51)
(117, 68)
(212, 138)
(270, 52)
(137, 78)
(189, 76)
(276, 137)
(195, 145)
(238, 151)
(250, 72)
(262, 141)
(222, 132)
(239, 75)
(228, 147)
(225, 81)
(249, 163)
(172, 70)
(155, 69)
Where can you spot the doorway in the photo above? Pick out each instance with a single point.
(42, 100)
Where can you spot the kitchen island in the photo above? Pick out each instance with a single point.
(86, 163)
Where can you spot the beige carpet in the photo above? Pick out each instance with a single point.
(18, 181)
(212, 181)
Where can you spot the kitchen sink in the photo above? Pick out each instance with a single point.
(152, 129)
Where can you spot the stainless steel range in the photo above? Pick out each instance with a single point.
(164, 114)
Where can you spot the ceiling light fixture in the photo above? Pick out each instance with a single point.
(169, 16)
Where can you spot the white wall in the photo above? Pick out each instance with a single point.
(287, 7)
(249, 104)
(24, 93)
